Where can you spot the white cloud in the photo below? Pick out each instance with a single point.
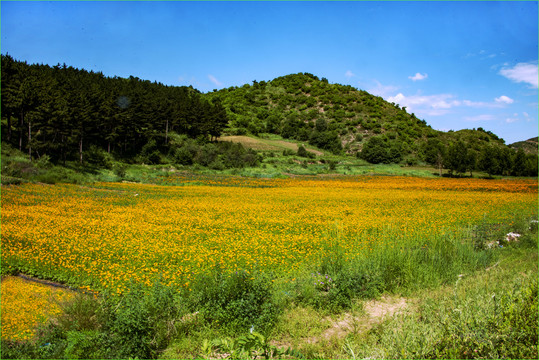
(433, 105)
(441, 104)
(214, 80)
(510, 120)
(383, 90)
(522, 72)
(476, 104)
(482, 117)
(504, 100)
(418, 76)
(349, 74)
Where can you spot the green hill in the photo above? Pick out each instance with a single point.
(331, 116)
(529, 146)
(338, 118)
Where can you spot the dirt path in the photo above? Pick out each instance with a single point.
(375, 312)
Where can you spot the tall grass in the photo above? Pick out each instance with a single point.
(394, 263)
(492, 315)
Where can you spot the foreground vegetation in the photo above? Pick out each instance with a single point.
(224, 256)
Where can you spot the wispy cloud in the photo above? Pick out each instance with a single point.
(383, 90)
(418, 76)
(440, 104)
(512, 119)
(522, 72)
(349, 74)
(482, 54)
(482, 117)
(433, 105)
(214, 80)
(504, 100)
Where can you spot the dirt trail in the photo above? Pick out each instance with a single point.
(375, 311)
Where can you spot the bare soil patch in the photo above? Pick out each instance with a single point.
(375, 312)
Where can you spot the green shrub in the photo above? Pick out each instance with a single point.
(82, 313)
(184, 155)
(98, 157)
(120, 170)
(235, 301)
(142, 322)
(43, 162)
(149, 154)
(85, 344)
(18, 350)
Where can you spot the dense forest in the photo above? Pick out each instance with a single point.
(66, 114)
(63, 112)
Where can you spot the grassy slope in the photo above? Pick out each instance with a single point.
(272, 143)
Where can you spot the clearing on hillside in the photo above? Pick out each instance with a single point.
(266, 144)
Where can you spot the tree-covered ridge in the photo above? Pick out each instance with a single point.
(63, 112)
(341, 118)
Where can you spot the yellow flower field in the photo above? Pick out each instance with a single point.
(25, 304)
(106, 236)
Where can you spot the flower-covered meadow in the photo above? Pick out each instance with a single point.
(107, 236)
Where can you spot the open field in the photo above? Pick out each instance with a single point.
(107, 235)
(26, 303)
(246, 252)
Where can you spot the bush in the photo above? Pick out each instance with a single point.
(304, 153)
(235, 301)
(142, 322)
(206, 154)
(149, 154)
(288, 152)
(120, 170)
(98, 157)
(184, 155)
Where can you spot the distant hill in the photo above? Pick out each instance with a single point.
(529, 146)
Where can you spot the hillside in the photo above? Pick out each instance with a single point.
(529, 146)
(331, 116)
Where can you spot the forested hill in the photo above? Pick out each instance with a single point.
(330, 116)
(338, 118)
(64, 112)
(343, 119)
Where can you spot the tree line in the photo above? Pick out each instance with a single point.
(485, 153)
(64, 112)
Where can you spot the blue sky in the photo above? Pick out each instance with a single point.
(454, 64)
